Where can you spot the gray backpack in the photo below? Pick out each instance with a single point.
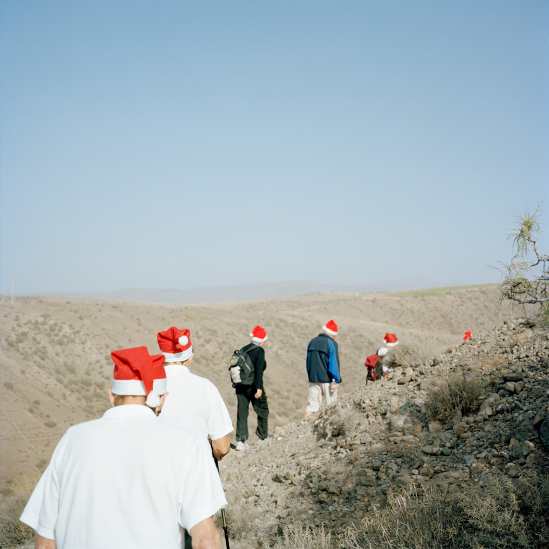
(241, 368)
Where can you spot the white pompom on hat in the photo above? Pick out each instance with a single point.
(390, 340)
(330, 328)
(139, 374)
(259, 335)
(175, 344)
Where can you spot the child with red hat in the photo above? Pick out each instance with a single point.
(127, 479)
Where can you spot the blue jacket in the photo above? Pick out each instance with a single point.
(323, 360)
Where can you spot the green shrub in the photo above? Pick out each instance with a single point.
(190, 315)
(8, 385)
(49, 423)
(453, 398)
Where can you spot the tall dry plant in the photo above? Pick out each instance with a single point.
(414, 353)
(454, 397)
(526, 281)
(296, 537)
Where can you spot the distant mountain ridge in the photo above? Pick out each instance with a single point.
(244, 292)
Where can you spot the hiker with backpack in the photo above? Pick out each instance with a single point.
(377, 363)
(246, 369)
(323, 369)
(193, 402)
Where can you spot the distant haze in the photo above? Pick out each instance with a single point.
(215, 294)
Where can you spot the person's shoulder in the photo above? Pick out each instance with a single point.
(177, 436)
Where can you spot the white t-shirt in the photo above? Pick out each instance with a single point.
(194, 403)
(125, 480)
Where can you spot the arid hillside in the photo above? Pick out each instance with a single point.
(56, 366)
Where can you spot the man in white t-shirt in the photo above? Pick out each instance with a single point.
(127, 480)
(193, 402)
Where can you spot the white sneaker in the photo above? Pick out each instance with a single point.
(241, 445)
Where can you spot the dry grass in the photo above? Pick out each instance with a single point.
(453, 398)
(297, 537)
(500, 514)
(12, 531)
(410, 523)
(243, 518)
(415, 353)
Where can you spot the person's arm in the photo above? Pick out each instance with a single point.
(221, 447)
(44, 543)
(205, 535)
(332, 364)
(259, 367)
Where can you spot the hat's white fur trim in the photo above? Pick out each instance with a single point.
(137, 388)
(328, 331)
(258, 339)
(390, 344)
(179, 357)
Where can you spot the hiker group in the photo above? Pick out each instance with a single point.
(142, 476)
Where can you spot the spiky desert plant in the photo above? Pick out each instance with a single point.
(526, 282)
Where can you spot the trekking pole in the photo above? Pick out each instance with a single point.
(223, 517)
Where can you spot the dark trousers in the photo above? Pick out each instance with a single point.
(188, 540)
(245, 396)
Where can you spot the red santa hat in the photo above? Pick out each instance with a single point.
(390, 340)
(138, 373)
(467, 336)
(330, 328)
(259, 335)
(175, 344)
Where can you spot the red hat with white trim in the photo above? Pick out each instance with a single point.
(330, 328)
(390, 340)
(175, 344)
(138, 373)
(259, 335)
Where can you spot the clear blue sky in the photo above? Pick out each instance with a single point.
(176, 144)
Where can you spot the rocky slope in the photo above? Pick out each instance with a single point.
(378, 439)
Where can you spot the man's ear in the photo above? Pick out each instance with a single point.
(162, 400)
(111, 398)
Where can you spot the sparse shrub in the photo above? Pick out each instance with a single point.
(414, 353)
(30, 409)
(242, 517)
(510, 513)
(70, 368)
(296, 537)
(190, 315)
(50, 423)
(453, 398)
(12, 531)
(408, 522)
(8, 385)
(41, 463)
(499, 514)
(36, 402)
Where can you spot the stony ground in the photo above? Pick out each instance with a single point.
(329, 469)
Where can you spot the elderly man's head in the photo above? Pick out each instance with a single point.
(138, 378)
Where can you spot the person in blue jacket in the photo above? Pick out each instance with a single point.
(323, 369)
